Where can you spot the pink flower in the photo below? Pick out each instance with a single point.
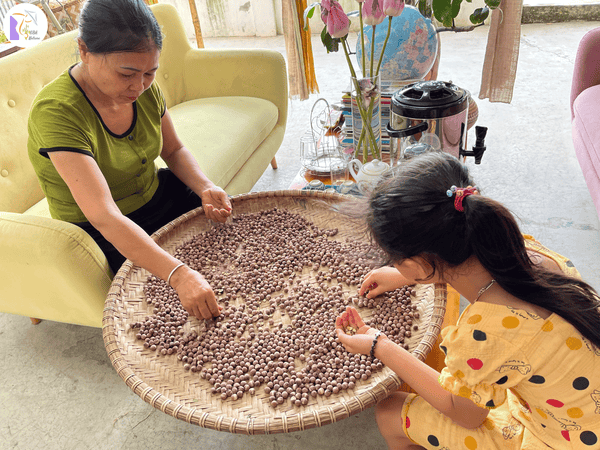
(335, 18)
(373, 12)
(325, 7)
(392, 7)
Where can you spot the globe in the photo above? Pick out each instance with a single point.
(410, 51)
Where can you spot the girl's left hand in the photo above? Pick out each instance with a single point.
(216, 204)
(360, 342)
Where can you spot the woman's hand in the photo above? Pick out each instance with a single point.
(360, 342)
(195, 294)
(216, 204)
(383, 280)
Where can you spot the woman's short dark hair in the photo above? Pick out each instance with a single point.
(111, 26)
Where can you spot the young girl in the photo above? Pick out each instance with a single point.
(523, 361)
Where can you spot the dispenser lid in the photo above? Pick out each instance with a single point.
(430, 100)
(417, 149)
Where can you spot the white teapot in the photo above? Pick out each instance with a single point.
(367, 175)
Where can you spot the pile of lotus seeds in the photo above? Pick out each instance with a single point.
(282, 282)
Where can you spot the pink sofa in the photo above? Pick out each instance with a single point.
(585, 111)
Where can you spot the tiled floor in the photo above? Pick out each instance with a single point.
(58, 390)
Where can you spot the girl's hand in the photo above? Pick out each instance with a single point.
(216, 204)
(195, 294)
(383, 280)
(360, 342)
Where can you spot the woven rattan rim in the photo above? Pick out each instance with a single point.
(122, 347)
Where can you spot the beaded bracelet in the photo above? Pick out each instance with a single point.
(375, 343)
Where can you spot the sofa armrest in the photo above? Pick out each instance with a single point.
(585, 129)
(237, 72)
(586, 70)
(51, 270)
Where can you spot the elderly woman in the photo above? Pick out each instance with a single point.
(94, 135)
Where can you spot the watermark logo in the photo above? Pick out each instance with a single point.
(25, 25)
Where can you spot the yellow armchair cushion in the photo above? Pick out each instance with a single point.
(69, 274)
(40, 209)
(217, 131)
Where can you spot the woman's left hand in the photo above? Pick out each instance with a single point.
(360, 342)
(216, 204)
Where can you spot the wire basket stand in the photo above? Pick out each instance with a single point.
(321, 152)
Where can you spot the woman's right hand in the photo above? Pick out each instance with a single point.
(195, 294)
(382, 280)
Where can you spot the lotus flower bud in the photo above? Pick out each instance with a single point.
(373, 12)
(325, 7)
(392, 7)
(337, 23)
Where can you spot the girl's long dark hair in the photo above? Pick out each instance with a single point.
(410, 214)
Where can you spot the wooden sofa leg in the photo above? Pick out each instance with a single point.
(35, 321)
(274, 163)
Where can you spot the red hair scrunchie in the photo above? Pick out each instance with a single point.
(460, 195)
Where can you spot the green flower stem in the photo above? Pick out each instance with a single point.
(347, 53)
(384, 44)
(367, 128)
(363, 113)
(372, 50)
(361, 140)
(370, 141)
(375, 147)
(362, 37)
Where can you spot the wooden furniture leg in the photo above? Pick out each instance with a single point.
(274, 163)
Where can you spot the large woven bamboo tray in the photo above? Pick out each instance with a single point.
(161, 380)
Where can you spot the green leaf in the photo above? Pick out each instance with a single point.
(479, 15)
(308, 13)
(442, 10)
(425, 8)
(455, 7)
(493, 4)
(331, 44)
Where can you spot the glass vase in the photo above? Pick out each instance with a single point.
(366, 117)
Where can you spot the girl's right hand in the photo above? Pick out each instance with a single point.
(362, 341)
(382, 280)
(195, 294)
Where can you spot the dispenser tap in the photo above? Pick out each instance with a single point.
(479, 147)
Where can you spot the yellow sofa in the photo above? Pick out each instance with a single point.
(229, 107)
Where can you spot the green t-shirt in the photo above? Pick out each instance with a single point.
(63, 119)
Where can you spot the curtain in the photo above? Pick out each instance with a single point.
(301, 68)
(502, 53)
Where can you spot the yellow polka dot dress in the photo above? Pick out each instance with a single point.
(539, 378)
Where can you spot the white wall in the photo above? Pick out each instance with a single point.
(230, 17)
(263, 17)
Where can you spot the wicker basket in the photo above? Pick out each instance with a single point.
(162, 381)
